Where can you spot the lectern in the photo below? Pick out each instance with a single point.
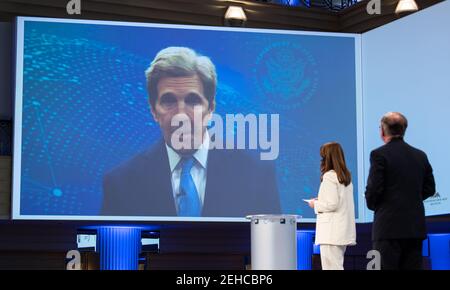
(273, 242)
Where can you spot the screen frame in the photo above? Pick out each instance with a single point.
(18, 103)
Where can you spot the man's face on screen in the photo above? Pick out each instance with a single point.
(179, 98)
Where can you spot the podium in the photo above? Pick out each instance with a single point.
(273, 242)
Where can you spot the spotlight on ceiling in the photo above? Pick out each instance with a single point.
(406, 6)
(235, 16)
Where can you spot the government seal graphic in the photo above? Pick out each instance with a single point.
(285, 75)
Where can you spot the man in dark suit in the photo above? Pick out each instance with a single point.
(400, 179)
(182, 175)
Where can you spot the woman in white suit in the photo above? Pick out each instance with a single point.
(334, 207)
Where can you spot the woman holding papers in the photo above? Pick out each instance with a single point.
(335, 225)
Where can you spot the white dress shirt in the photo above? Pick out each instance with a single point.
(198, 171)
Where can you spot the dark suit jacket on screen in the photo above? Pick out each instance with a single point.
(400, 178)
(237, 184)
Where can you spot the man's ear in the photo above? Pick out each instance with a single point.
(382, 133)
(212, 106)
(155, 116)
(211, 109)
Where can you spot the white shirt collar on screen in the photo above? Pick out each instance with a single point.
(201, 155)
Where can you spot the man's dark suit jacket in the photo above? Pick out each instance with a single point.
(400, 179)
(237, 184)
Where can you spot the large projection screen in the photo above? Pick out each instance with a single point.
(88, 146)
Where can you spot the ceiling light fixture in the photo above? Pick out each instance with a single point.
(235, 16)
(406, 6)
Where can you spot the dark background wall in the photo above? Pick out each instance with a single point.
(183, 246)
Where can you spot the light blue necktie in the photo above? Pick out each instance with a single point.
(188, 200)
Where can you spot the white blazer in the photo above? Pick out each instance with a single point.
(335, 211)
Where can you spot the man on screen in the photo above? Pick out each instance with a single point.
(181, 175)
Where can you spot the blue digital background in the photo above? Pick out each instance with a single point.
(85, 104)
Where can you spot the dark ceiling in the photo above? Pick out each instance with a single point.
(260, 14)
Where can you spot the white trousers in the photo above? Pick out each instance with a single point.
(332, 257)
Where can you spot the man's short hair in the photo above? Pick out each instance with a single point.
(394, 124)
(181, 62)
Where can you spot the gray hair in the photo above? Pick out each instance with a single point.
(181, 62)
(394, 124)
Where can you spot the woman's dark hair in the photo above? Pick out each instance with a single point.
(333, 159)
